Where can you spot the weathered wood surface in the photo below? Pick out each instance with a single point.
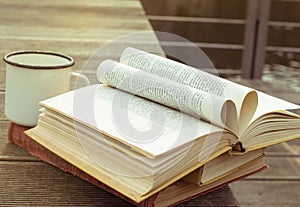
(267, 193)
(76, 28)
(56, 188)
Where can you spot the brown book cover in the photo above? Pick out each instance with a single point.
(16, 136)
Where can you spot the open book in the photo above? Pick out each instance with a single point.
(153, 121)
(250, 115)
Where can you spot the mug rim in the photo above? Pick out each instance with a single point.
(61, 66)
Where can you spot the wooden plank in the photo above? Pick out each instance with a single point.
(289, 148)
(283, 49)
(3, 130)
(280, 168)
(195, 19)
(293, 146)
(81, 49)
(103, 13)
(63, 39)
(50, 186)
(285, 10)
(261, 41)
(249, 38)
(277, 37)
(10, 151)
(199, 8)
(2, 77)
(225, 57)
(222, 59)
(202, 31)
(107, 31)
(99, 20)
(2, 116)
(75, 3)
(267, 194)
(289, 25)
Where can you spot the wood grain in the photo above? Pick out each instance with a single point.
(208, 8)
(291, 148)
(10, 151)
(3, 129)
(280, 168)
(261, 38)
(267, 193)
(202, 31)
(2, 100)
(52, 186)
(48, 186)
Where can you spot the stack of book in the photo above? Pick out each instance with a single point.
(157, 132)
(221, 196)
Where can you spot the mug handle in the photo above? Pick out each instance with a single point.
(81, 77)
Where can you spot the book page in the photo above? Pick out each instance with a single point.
(272, 123)
(192, 101)
(245, 98)
(226, 164)
(267, 104)
(150, 128)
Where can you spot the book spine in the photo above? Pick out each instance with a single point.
(238, 147)
(16, 136)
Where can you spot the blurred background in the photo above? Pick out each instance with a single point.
(267, 32)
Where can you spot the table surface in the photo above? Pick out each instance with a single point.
(81, 29)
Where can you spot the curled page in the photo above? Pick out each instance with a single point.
(200, 104)
(244, 98)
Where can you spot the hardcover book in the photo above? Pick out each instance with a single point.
(182, 191)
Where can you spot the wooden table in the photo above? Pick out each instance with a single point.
(77, 28)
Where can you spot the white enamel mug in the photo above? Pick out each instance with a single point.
(32, 76)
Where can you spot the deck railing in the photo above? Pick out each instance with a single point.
(239, 36)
